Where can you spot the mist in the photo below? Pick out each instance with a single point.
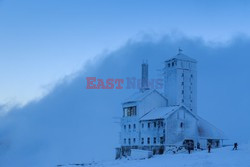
(72, 124)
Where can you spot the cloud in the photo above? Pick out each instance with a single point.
(72, 124)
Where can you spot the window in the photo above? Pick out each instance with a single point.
(182, 100)
(129, 126)
(182, 83)
(182, 74)
(182, 91)
(134, 126)
(129, 111)
(148, 140)
(161, 140)
(142, 125)
(172, 64)
(169, 64)
(124, 127)
(142, 140)
(181, 125)
(129, 142)
(125, 141)
(161, 124)
(154, 124)
(149, 125)
(154, 140)
(134, 140)
(191, 75)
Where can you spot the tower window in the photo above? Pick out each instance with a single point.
(181, 125)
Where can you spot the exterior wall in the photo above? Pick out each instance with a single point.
(180, 83)
(180, 126)
(154, 100)
(152, 132)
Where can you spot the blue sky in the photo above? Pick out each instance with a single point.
(42, 41)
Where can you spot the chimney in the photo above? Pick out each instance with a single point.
(144, 79)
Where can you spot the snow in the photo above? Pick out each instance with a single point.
(217, 158)
(159, 113)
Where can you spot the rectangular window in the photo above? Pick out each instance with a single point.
(148, 140)
(154, 124)
(129, 111)
(134, 140)
(169, 64)
(154, 140)
(172, 64)
(129, 126)
(134, 126)
(182, 83)
(129, 142)
(142, 140)
(142, 125)
(182, 91)
(149, 125)
(182, 74)
(161, 124)
(124, 127)
(161, 140)
(182, 100)
(124, 141)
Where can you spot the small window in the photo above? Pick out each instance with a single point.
(134, 126)
(161, 124)
(182, 91)
(191, 75)
(182, 100)
(182, 83)
(154, 124)
(129, 126)
(161, 140)
(182, 74)
(149, 125)
(125, 141)
(154, 140)
(142, 125)
(172, 64)
(148, 140)
(169, 64)
(129, 142)
(134, 140)
(124, 127)
(142, 140)
(181, 125)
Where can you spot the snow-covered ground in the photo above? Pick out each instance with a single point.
(222, 157)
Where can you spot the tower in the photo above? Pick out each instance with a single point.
(144, 79)
(180, 81)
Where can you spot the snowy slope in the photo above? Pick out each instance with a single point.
(217, 158)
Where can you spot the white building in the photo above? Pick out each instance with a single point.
(156, 122)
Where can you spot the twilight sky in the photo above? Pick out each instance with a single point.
(44, 40)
